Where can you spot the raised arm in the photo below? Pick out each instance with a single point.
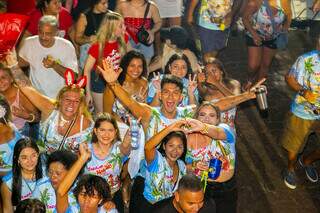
(64, 187)
(151, 145)
(229, 102)
(125, 146)
(212, 131)
(137, 109)
(41, 102)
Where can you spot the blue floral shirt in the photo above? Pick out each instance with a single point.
(159, 183)
(225, 150)
(109, 168)
(306, 71)
(28, 186)
(6, 152)
(46, 194)
(212, 13)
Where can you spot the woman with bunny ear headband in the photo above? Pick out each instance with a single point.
(66, 121)
(9, 135)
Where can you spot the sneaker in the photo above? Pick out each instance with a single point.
(289, 179)
(311, 172)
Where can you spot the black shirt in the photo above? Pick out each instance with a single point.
(166, 206)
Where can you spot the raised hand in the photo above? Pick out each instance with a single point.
(156, 81)
(201, 76)
(48, 62)
(192, 85)
(179, 125)
(108, 72)
(84, 151)
(142, 95)
(194, 125)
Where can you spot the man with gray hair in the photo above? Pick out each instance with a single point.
(48, 57)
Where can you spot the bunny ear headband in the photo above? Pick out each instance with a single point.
(70, 81)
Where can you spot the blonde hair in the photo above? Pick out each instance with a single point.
(106, 33)
(83, 109)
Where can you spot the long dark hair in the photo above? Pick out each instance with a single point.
(125, 61)
(176, 134)
(16, 168)
(108, 118)
(175, 57)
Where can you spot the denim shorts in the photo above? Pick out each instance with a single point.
(147, 51)
(270, 43)
(98, 84)
(212, 40)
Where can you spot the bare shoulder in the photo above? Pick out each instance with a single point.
(86, 122)
(153, 5)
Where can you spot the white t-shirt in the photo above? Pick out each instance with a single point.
(48, 81)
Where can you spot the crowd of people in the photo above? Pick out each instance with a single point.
(114, 109)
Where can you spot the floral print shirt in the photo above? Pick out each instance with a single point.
(109, 167)
(46, 194)
(159, 122)
(28, 186)
(212, 13)
(51, 139)
(306, 71)
(76, 209)
(224, 150)
(6, 152)
(261, 22)
(159, 183)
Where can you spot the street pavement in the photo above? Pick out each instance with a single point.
(261, 158)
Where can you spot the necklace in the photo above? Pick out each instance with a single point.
(26, 182)
(62, 121)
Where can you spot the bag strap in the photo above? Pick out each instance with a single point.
(145, 14)
(67, 133)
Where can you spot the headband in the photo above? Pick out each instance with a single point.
(70, 81)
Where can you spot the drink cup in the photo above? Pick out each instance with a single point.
(261, 96)
(214, 168)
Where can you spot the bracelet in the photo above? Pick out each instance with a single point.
(205, 129)
(33, 117)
